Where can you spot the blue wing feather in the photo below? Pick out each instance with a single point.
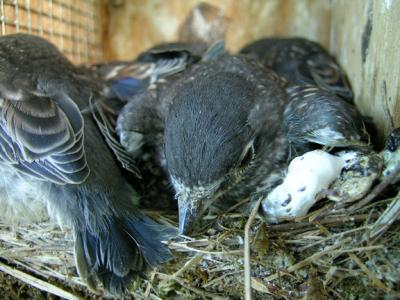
(125, 88)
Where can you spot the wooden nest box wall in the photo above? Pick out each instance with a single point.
(362, 34)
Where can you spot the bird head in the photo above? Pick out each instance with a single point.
(210, 136)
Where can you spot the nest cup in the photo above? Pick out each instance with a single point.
(333, 252)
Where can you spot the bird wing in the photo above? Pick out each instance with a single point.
(138, 76)
(42, 136)
(328, 75)
(317, 116)
(104, 117)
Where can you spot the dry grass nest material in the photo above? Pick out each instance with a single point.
(335, 252)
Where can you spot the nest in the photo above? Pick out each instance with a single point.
(337, 251)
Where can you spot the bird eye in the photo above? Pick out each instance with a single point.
(247, 158)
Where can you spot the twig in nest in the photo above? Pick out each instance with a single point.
(390, 215)
(230, 216)
(178, 246)
(194, 260)
(234, 207)
(195, 290)
(330, 221)
(220, 278)
(259, 286)
(37, 283)
(331, 290)
(371, 276)
(149, 285)
(308, 260)
(336, 235)
(247, 267)
(330, 250)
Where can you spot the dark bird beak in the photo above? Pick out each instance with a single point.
(189, 211)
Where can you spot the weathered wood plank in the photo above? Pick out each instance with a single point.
(135, 25)
(362, 34)
(365, 37)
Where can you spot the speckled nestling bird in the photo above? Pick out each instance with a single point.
(319, 112)
(223, 133)
(301, 61)
(319, 109)
(50, 149)
(313, 115)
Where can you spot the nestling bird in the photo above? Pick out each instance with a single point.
(318, 112)
(313, 115)
(223, 133)
(319, 109)
(301, 61)
(132, 114)
(49, 146)
(141, 121)
(130, 83)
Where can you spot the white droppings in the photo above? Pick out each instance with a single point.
(308, 175)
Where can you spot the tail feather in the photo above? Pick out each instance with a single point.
(148, 236)
(82, 264)
(114, 284)
(121, 253)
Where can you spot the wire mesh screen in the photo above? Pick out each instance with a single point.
(74, 26)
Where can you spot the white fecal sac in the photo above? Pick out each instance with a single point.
(307, 176)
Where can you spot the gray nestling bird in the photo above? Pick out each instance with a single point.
(141, 120)
(124, 83)
(313, 115)
(223, 133)
(133, 92)
(49, 147)
(301, 61)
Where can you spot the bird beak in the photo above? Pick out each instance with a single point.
(189, 210)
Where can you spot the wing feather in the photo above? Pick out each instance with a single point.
(106, 124)
(43, 139)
